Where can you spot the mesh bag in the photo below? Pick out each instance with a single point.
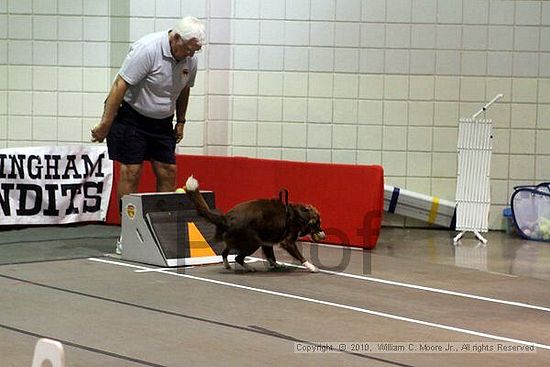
(531, 211)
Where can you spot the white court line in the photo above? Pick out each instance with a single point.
(158, 270)
(338, 305)
(502, 274)
(423, 288)
(362, 249)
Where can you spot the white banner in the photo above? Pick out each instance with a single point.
(54, 185)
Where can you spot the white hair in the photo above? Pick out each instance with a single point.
(191, 27)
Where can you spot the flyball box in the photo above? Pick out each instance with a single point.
(164, 229)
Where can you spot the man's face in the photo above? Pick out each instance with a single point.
(182, 49)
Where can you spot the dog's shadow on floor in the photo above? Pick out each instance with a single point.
(265, 271)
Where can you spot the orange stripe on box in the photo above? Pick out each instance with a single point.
(197, 244)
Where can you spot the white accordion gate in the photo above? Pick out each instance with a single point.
(473, 191)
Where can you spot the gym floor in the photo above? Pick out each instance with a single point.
(415, 290)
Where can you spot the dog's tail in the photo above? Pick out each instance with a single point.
(192, 190)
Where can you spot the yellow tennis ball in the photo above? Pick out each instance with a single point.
(180, 190)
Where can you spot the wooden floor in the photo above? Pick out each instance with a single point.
(415, 290)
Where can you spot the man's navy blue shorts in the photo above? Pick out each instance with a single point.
(134, 138)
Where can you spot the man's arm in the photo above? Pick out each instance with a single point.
(181, 109)
(112, 103)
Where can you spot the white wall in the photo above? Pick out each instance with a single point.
(55, 69)
(344, 81)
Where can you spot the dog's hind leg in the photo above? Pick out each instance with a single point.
(239, 259)
(225, 253)
(270, 256)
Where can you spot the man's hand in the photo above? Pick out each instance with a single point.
(178, 132)
(112, 104)
(99, 132)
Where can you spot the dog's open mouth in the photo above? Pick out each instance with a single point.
(318, 236)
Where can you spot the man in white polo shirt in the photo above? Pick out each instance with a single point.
(153, 82)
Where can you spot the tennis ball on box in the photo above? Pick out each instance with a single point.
(180, 190)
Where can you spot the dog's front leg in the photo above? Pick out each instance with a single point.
(270, 256)
(289, 245)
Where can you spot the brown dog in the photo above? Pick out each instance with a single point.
(262, 222)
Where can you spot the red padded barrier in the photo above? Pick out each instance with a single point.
(350, 198)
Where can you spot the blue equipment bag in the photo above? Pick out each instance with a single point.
(531, 211)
